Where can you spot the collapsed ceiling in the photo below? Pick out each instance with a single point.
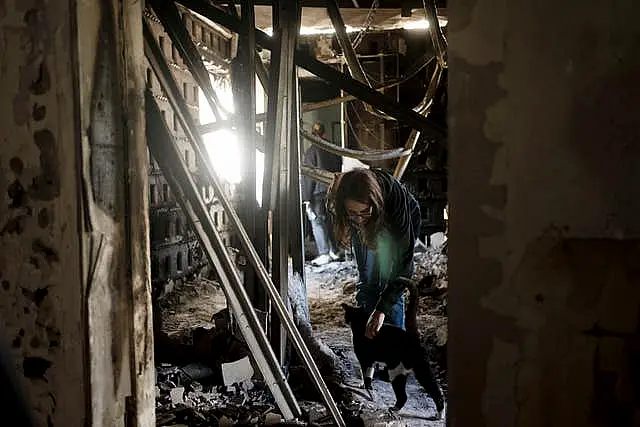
(315, 20)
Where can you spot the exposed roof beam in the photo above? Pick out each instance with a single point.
(385, 4)
(328, 73)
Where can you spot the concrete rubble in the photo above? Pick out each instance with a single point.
(208, 378)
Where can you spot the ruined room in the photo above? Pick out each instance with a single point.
(178, 251)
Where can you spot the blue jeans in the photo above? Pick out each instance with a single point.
(367, 297)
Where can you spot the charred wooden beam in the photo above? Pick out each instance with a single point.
(244, 88)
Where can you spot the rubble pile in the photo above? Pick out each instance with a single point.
(431, 275)
(205, 377)
(181, 400)
(432, 262)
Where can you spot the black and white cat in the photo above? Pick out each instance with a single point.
(399, 350)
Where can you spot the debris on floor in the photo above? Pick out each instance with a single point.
(183, 401)
(330, 285)
(205, 376)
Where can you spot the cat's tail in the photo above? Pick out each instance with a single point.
(424, 375)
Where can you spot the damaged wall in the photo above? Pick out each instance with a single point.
(40, 261)
(74, 210)
(545, 214)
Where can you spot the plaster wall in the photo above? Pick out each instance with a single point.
(75, 304)
(40, 261)
(544, 214)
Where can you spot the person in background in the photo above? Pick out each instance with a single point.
(376, 214)
(314, 198)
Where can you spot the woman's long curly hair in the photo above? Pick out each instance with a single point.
(360, 185)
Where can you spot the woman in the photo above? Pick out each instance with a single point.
(378, 216)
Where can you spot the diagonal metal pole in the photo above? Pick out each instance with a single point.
(177, 174)
(349, 52)
(423, 108)
(435, 32)
(262, 73)
(355, 68)
(170, 87)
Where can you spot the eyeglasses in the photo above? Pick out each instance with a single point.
(364, 213)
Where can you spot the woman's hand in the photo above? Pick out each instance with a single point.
(374, 324)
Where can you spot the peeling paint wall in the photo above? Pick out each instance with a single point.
(73, 210)
(115, 212)
(40, 269)
(544, 213)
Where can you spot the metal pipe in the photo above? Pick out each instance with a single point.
(423, 108)
(217, 125)
(412, 141)
(170, 87)
(437, 36)
(318, 174)
(370, 156)
(411, 72)
(425, 105)
(179, 178)
(262, 73)
(355, 68)
(344, 135)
